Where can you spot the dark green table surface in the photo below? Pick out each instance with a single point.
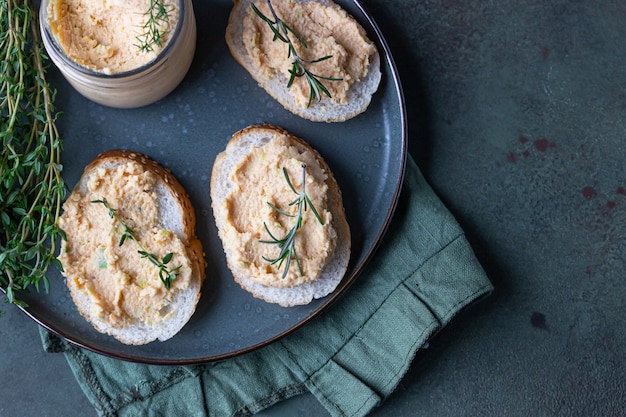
(517, 117)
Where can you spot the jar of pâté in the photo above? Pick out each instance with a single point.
(120, 53)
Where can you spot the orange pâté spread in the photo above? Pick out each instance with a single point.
(258, 180)
(327, 30)
(123, 286)
(103, 34)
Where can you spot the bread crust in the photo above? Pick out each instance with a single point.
(185, 301)
(359, 95)
(239, 145)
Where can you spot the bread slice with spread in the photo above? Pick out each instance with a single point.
(335, 67)
(280, 216)
(131, 259)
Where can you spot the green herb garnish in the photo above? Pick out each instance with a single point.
(102, 262)
(298, 69)
(166, 275)
(152, 34)
(287, 243)
(31, 187)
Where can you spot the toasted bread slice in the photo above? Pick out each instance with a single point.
(174, 215)
(240, 145)
(359, 95)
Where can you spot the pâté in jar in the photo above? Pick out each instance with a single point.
(120, 53)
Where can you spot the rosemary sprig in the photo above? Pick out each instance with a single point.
(298, 69)
(152, 34)
(166, 275)
(287, 243)
(31, 187)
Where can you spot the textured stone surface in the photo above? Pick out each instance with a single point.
(517, 116)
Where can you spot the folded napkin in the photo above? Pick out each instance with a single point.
(350, 357)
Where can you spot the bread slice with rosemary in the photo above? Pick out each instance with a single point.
(131, 259)
(310, 55)
(280, 216)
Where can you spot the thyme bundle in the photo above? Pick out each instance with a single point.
(165, 275)
(31, 187)
(287, 243)
(299, 68)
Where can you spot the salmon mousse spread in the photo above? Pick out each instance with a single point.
(326, 31)
(123, 285)
(259, 189)
(107, 35)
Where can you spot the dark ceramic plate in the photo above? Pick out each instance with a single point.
(184, 132)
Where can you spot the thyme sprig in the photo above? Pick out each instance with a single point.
(31, 187)
(299, 68)
(152, 35)
(166, 275)
(287, 243)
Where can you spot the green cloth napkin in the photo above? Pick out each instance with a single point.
(350, 357)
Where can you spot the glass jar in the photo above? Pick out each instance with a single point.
(134, 87)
